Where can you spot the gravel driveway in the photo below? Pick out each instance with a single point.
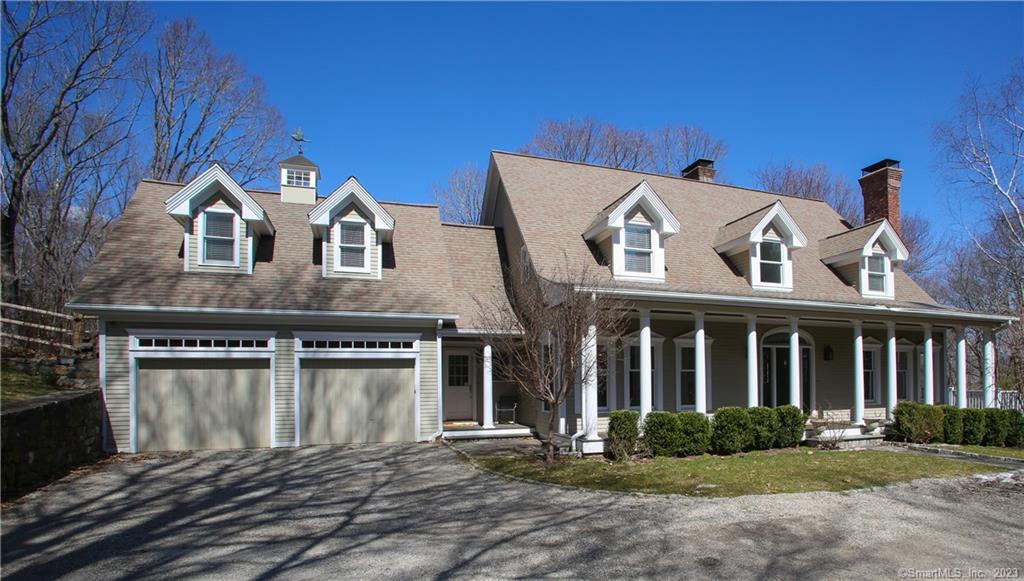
(416, 511)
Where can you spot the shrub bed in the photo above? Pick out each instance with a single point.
(623, 431)
(918, 423)
(952, 424)
(974, 426)
(765, 427)
(695, 434)
(662, 433)
(791, 426)
(731, 430)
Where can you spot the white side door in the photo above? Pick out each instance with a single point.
(459, 386)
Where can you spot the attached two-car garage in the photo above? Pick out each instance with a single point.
(194, 392)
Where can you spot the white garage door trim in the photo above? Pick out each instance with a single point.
(357, 346)
(183, 344)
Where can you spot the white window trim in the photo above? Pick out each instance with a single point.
(336, 244)
(890, 287)
(657, 365)
(619, 271)
(755, 268)
(873, 345)
(688, 341)
(202, 238)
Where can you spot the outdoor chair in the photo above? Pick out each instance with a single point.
(505, 404)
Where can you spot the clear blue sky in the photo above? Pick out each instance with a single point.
(400, 94)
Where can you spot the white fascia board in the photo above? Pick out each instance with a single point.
(854, 310)
(320, 215)
(642, 195)
(157, 309)
(795, 237)
(889, 237)
(183, 203)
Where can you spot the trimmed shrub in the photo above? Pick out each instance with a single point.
(695, 432)
(997, 427)
(974, 426)
(662, 433)
(730, 430)
(792, 421)
(917, 422)
(1016, 435)
(764, 427)
(952, 424)
(623, 431)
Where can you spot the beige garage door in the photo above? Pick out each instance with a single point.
(357, 400)
(190, 404)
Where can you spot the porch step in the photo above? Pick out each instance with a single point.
(481, 433)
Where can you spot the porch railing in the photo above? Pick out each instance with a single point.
(975, 398)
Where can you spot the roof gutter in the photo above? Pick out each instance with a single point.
(844, 308)
(155, 309)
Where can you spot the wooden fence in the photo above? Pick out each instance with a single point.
(42, 331)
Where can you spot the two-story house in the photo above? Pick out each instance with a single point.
(242, 318)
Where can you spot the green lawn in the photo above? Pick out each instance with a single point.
(771, 472)
(16, 386)
(1017, 453)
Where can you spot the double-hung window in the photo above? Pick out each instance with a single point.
(297, 177)
(687, 377)
(904, 383)
(218, 238)
(771, 261)
(633, 370)
(638, 249)
(352, 246)
(871, 377)
(878, 273)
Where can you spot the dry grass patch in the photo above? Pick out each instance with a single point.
(769, 472)
(16, 386)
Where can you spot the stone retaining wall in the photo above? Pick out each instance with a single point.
(44, 438)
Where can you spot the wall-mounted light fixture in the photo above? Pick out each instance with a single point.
(829, 353)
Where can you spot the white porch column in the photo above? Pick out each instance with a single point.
(929, 366)
(590, 383)
(794, 363)
(752, 369)
(645, 363)
(961, 368)
(858, 374)
(989, 368)
(890, 368)
(488, 390)
(699, 360)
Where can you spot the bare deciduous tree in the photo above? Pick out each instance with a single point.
(461, 198)
(540, 340)
(66, 126)
(207, 108)
(666, 150)
(982, 147)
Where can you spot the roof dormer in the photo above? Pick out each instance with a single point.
(299, 177)
(766, 238)
(352, 227)
(867, 257)
(632, 229)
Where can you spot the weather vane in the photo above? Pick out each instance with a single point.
(300, 138)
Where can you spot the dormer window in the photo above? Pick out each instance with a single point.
(638, 251)
(298, 177)
(353, 250)
(760, 244)
(865, 257)
(219, 231)
(632, 232)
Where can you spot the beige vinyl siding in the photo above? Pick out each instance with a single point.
(118, 391)
(375, 249)
(850, 273)
(429, 410)
(195, 240)
(284, 389)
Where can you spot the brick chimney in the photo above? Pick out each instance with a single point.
(880, 184)
(702, 170)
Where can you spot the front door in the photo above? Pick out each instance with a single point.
(775, 376)
(459, 387)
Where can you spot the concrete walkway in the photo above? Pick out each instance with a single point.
(416, 511)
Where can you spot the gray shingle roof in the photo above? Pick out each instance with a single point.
(476, 265)
(554, 202)
(741, 226)
(848, 241)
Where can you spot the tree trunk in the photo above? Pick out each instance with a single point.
(552, 416)
(8, 225)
